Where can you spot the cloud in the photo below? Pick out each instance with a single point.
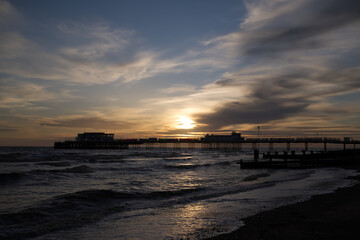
(295, 25)
(8, 13)
(7, 129)
(88, 54)
(179, 88)
(93, 41)
(252, 112)
(93, 122)
(279, 97)
(295, 82)
(23, 94)
(97, 53)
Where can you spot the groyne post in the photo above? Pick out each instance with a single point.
(285, 156)
(256, 155)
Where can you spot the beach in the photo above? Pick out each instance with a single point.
(327, 216)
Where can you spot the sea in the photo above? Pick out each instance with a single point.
(157, 193)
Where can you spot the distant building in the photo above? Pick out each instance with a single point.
(95, 137)
(234, 137)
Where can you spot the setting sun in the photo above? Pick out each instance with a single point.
(185, 123)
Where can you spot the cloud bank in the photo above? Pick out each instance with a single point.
(297, 49)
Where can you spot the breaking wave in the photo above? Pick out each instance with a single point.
(78, 169)
(55, 164)
(256, 176)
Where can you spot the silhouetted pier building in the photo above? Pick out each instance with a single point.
(234, 137)
(95, 137)
(95, 140)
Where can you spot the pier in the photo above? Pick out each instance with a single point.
(234, 141)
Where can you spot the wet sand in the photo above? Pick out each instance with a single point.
(328, 216)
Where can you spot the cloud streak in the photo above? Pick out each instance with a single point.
(91, 122)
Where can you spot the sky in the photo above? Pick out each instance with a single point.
(171, 68)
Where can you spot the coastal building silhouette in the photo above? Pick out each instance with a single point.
(95, 137)
(234, 137)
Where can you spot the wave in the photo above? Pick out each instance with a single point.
(227, 191)
(9, 178)
(112, 161)
(184, 166)
(193, 166)
(105, 158)
(161, 154)
(73, 210)
(56, 164)
(9, 157)
(62, 212)
(103, 196)
(168, 194)
(78, 169)
(256, 176)
(181, 158)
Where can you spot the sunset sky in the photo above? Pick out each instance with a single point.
(140, 68)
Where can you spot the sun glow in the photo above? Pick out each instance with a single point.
(184, 123)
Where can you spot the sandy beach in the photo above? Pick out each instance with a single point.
(328, 216)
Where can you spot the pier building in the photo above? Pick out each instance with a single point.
(234, 137)
(95, 137)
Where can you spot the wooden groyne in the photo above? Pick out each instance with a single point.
(303, 160)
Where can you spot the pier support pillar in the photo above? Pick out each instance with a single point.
(344, 146)
(254, 146)
(288, 146)
(271, 146)
(325, 147)
(306, 146)
(256, 154)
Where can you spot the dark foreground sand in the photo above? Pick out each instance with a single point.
(328, 216)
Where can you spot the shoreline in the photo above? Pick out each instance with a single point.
(327, 216)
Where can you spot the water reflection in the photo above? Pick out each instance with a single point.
(191, 218)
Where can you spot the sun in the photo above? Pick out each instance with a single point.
(184, 123)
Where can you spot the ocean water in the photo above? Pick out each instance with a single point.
(143, 193)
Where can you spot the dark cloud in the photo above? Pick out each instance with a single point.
(86, 122)
(283, 96)
(258, 111)
(278, 96)
(313, 19)
(225, 82)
